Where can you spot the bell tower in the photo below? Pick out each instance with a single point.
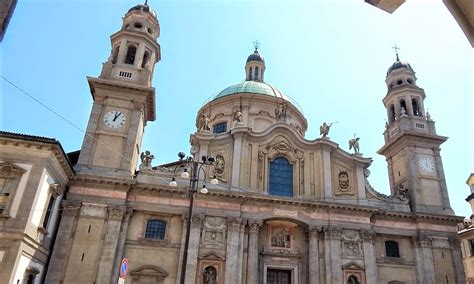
(412, 146)
(124, 100)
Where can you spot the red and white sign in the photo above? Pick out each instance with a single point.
(123, 268)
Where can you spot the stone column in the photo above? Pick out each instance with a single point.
(424, 260)
(252, 261)
(333, 255)
(457, 260)
(121, 246)
(193, 250)
(369, 257)
(313, 255)
(57, 264)
(232, 251)
(109, 246)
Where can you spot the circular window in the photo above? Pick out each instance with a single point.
(149, 30)
(399, 82)
(138, 25)
(410, 81)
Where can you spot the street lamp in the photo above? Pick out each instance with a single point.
(196, 168)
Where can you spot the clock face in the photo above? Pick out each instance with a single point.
(426, 165)
(114, 119)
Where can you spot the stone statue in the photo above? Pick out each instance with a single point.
(386, 124)
(428, 116)
(324, 129)
(280, 111)
(146, 158)
(210, 276)
(402, 193)
(354, 143)
(204, 123)
(403, 112)
(281, 238)
(238, 119)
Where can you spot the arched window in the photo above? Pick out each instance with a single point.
(210, 275)
(416, 109)
(352, 280)
(115, 54)
(130, 58)
(155, 229)
(281, 177)
(256, 72)
(146, 57)
(391, 117)
(250, 73)
(391, 249)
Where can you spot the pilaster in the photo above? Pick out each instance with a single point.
(459, 272)
(369, 257)
(332, 256)
(252, 261)
(64, 238)
(109, 246)
(313, 255)
(424, 260)
(232, 251)
(327, 173)
(193, 250)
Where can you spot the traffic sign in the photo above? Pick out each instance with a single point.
(123, 268)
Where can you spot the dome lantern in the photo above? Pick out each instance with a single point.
(255, 66)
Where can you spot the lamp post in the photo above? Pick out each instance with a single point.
(196, 168)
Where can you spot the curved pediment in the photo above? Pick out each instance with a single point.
(150, 270)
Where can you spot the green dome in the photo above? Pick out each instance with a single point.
(252, 87)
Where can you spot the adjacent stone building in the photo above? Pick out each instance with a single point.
(466, 233)
(286, 209)
(34, 172)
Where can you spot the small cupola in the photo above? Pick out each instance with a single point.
(255, 66)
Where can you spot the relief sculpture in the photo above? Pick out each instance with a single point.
(281, 237)
(344, 181)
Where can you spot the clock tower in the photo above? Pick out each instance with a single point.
(412, 147)
(124, 100)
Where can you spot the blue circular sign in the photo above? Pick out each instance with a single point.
(123, 268)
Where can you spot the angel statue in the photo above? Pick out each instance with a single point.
(354, 143)
(146, 158)
(324, 129)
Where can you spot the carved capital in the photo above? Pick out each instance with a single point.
(424, 241)
(233, 224)
(333, 232)
(254, 227)
(455, 243)
(116, 212)
(367, 236)
(196, 221)
(56, 190)
(313, 231)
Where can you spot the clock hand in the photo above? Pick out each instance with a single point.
(117, 115)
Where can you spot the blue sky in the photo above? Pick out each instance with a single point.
(329, 56)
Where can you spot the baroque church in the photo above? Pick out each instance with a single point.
(268, 205)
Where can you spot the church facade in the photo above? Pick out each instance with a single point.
(285, 209)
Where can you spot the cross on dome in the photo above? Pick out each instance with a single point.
(396, 48)
(256, 44)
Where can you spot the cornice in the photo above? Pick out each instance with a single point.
(39, 143)
(245, 198)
